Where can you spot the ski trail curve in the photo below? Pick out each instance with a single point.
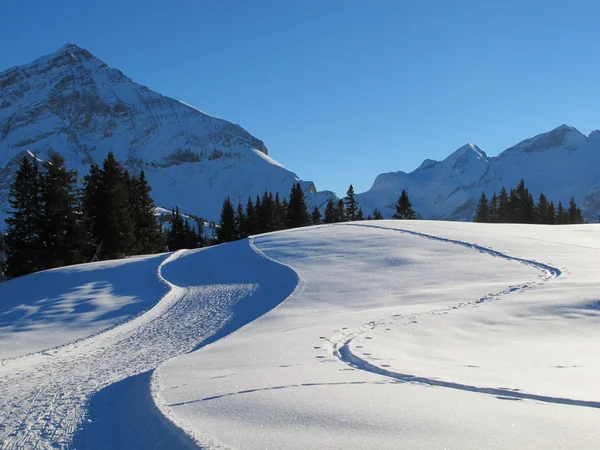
(342, 349)
(45, 397)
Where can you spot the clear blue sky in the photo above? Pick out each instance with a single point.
(342, 90)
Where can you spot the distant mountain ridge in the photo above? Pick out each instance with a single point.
(561, 163)
(72, 103)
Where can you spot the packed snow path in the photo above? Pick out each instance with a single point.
(44, 396)
(416, 335)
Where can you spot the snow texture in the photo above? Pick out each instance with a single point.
(391, 334)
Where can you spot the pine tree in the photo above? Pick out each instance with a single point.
(377, 214)
(550, 214)
(493, 209)
(148, 234)
(329, 212)
(62, 232)
(118, 232)
(93, 207)
(541, 211)
(177, 238)
(24, 221)
(561, 217)
(259, 211)
(340, 212)
(241, 224)
(351, 207)
(297, 213)
(227, 231)
(266, 216)
(482, 211)
(522, 205)
(251, 218)
(280, 211)
(404, 209)
(360, 215)
(574, 213)
(2, 257)
(315, 217)
(503, 206)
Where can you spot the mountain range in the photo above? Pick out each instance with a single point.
(561, 163)
(72, 103)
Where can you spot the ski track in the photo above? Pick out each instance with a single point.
(53, 386)
(340, 344)
(43, 396)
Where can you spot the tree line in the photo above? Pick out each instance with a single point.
(270, 213)
(53, 222)
(518, 206)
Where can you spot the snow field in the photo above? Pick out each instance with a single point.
(70, 396)
(379, 334)
(412, 339)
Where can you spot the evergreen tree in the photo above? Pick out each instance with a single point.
(107, 204)
(482, 211)
(177, 236)
(148, 234)
(561, 217)
(377, 214)
(550, 214)
(404, 209)
(2, 257)
(574, 213)
(315, 217)
(541, 211)
(280, 211)
(266, 216)
(259, 211)
(522, 205)
(227, 231)
(340, 212)
(251, 218)
(351, 207)
(93, 207)
(360, 215)
(493, 209)
(329, 212)
(297, 213)
(24, 221)
(503, 206)
(62, 232)
(241, 224)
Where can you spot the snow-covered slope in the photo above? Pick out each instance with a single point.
(561, 163)
(72, 103)
(383, 334)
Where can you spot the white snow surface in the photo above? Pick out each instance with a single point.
(381, 334)
(460, 336)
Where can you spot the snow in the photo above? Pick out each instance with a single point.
(192, 160)
(560, 163)
(391, 334)
(396, 339)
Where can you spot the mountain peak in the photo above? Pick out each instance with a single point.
(564, 136)
(467, 150)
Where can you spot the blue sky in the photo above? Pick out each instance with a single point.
(342, 90)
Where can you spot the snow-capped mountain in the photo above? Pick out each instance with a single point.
(72, 103)
(560, 163)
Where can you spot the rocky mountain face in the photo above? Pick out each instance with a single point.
(560, 163)
(72, 103)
